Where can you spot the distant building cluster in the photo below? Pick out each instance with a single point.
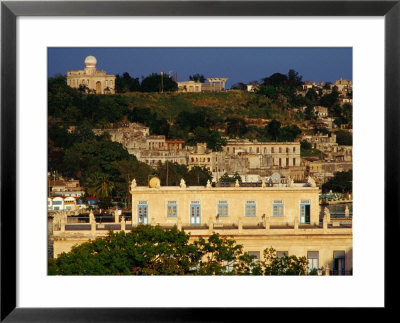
(241, 156)
(328, 145)
(343, 87)
(67, 195)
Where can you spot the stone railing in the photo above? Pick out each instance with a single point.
(241, 225)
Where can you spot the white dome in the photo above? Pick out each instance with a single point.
(90, 61)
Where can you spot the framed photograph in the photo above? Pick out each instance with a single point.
(188, 168)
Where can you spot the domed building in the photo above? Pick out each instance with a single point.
(95, 80)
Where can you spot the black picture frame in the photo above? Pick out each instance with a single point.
(10, 10)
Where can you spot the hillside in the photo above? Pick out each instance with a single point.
(232, 103)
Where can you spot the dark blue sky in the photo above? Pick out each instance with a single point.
(238, 64)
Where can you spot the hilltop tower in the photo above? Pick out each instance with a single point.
(95, 80)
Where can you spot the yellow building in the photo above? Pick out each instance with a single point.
(283, 154)
(95, 80)
(285, 217)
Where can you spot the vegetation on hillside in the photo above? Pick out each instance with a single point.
(267, 115)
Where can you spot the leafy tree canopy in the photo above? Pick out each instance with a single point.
(239, 86)
(344, 138)
(152, 83)
(230, 179)
(197, 78)
(149, 250)
(342, 182)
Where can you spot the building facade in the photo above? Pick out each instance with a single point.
(285, 217)
(283, 154)
(95, 80)
(215, 84)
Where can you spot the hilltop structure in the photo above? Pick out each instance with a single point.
(215, 84)
(95, 80)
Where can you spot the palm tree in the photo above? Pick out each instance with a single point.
(99, 185)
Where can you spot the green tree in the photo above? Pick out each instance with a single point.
(216, 253)
(236, 127)
(329, 100)
(344, 138)
(239, 86)
(294, 79)
(151, 250)
(272, 129)
(305, 145)
(341, 182)
(153, 83)
(289, 133)
(99, 185)
(171, 174)
(286, 265)
(230, 179)
(198, 176)
(276, 80)
(197, 78)
(95, 155)
(126, 83)
(311, 97)
(146, 250)
(269, 91)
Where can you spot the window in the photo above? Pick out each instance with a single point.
(256, 255)
(142, 212)
(338, 263)
(172, 209)
(294, 161)
(281, 254)
(312, 260)
(280, 149)
(272, 150)
(227, 266)
(250, 208)
(294, 149)
(305, 213)
(277, 208)
(287, 149)
(195, 212)
(222, 208)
